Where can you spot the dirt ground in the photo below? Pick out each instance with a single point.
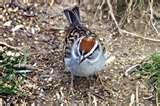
(40, 30)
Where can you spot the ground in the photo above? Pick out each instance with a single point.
(40, 30)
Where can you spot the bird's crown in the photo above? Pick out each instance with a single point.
(86, 44)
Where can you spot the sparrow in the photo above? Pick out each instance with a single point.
(84, 53)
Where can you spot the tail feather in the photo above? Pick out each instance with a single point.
(76, 12)
(73, 16)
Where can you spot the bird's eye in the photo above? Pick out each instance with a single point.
(94, 54)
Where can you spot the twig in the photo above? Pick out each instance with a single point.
(132, 99)
(1, 102)
(153, 25)
(98, 96)
(112, 15)
(137, 90)
(101, 13)
(151, 15)
(24, 67)
(51, 3)
(94, 100)
(99, 7)
(131, 69)
(151, 9)
(157, 103)
(9, 46)
(149, 97)
(139, 36)
(124, 31)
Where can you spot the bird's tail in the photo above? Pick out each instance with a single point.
(73, 15)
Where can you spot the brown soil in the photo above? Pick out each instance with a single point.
(43, 36)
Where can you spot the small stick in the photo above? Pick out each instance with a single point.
(9, 46)
(137, 35)
(131, 69)
(157, 103)
(137, 90)
(24, 66)
(132, 99)
(1, 102)
(124, 31)
(151, 15)
(112, 15)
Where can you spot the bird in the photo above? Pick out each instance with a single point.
(84, 52)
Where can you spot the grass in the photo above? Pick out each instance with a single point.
(10, 81)
(150, 70)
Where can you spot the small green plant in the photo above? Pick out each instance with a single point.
(150, 70)
(10, 81)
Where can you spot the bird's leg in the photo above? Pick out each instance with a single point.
(99, 79)
(88, 80)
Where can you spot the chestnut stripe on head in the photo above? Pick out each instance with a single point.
(86, 44)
